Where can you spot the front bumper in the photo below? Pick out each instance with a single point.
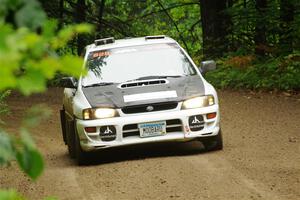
(178, 132)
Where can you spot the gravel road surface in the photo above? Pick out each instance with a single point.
(260, 160)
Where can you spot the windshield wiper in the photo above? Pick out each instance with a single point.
(99, 84)
(154, 77)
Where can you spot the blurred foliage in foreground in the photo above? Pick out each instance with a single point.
(10, 195)
(13, 195)
(23, 148)
(28, 55)
(28, 59)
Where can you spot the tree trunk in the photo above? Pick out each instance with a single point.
(229, 28)
(260, 28)
(100, 16)
(214, 30)
(79, 17)
(286, 19)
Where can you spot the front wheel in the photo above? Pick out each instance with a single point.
(213, 143)
(70, 138)
(81, 157)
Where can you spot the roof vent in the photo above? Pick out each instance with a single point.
(104, 41)
(154, 37)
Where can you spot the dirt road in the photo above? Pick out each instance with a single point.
(260, 160)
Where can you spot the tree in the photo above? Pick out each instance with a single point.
(286, 20)
(208, 29)
(101, 7)
(214, 27)
(80, 17)
(260, 37)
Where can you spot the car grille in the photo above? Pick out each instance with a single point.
(154, 107)
(173, 125)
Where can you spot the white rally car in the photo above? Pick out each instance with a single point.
(139, 90)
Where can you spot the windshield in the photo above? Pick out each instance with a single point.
(129, 63)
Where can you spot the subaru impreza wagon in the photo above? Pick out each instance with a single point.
(139, 90)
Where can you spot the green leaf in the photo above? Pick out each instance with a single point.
(31, 81)
(10, 195)
(63, 37)
(7, 151)
(84, 28)
(72, 65)
(65, 34)
(8, 80)
(29, 158)
(26, 139)
(48, 66)
(31, 162)
(49, 28)
(51, 198)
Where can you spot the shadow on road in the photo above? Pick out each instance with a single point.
(143, 151)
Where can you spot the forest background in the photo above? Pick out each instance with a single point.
(256, 44)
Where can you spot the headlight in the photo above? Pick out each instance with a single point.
(98, 113)
(198, 102)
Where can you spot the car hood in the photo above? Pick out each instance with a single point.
(176, 89)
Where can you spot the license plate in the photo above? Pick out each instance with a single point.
(152, 129)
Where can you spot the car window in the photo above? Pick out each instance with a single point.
(128, 63)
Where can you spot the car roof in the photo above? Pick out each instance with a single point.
(130, 42)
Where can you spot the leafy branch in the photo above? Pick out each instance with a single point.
(174, 23)
(28, 57)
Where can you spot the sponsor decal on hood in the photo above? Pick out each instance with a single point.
(150, 96)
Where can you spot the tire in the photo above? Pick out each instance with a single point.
(213, 143)
(63, 125)
(81, 157)
(70, 138)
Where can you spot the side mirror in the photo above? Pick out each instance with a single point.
(207, 66)
(68, 82)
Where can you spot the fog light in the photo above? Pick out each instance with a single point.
(90, 129)
(196, 122)
(211, 115)
(108, 133)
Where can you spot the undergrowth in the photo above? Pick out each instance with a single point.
(249, 72)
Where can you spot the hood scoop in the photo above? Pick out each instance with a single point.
(143, 83)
